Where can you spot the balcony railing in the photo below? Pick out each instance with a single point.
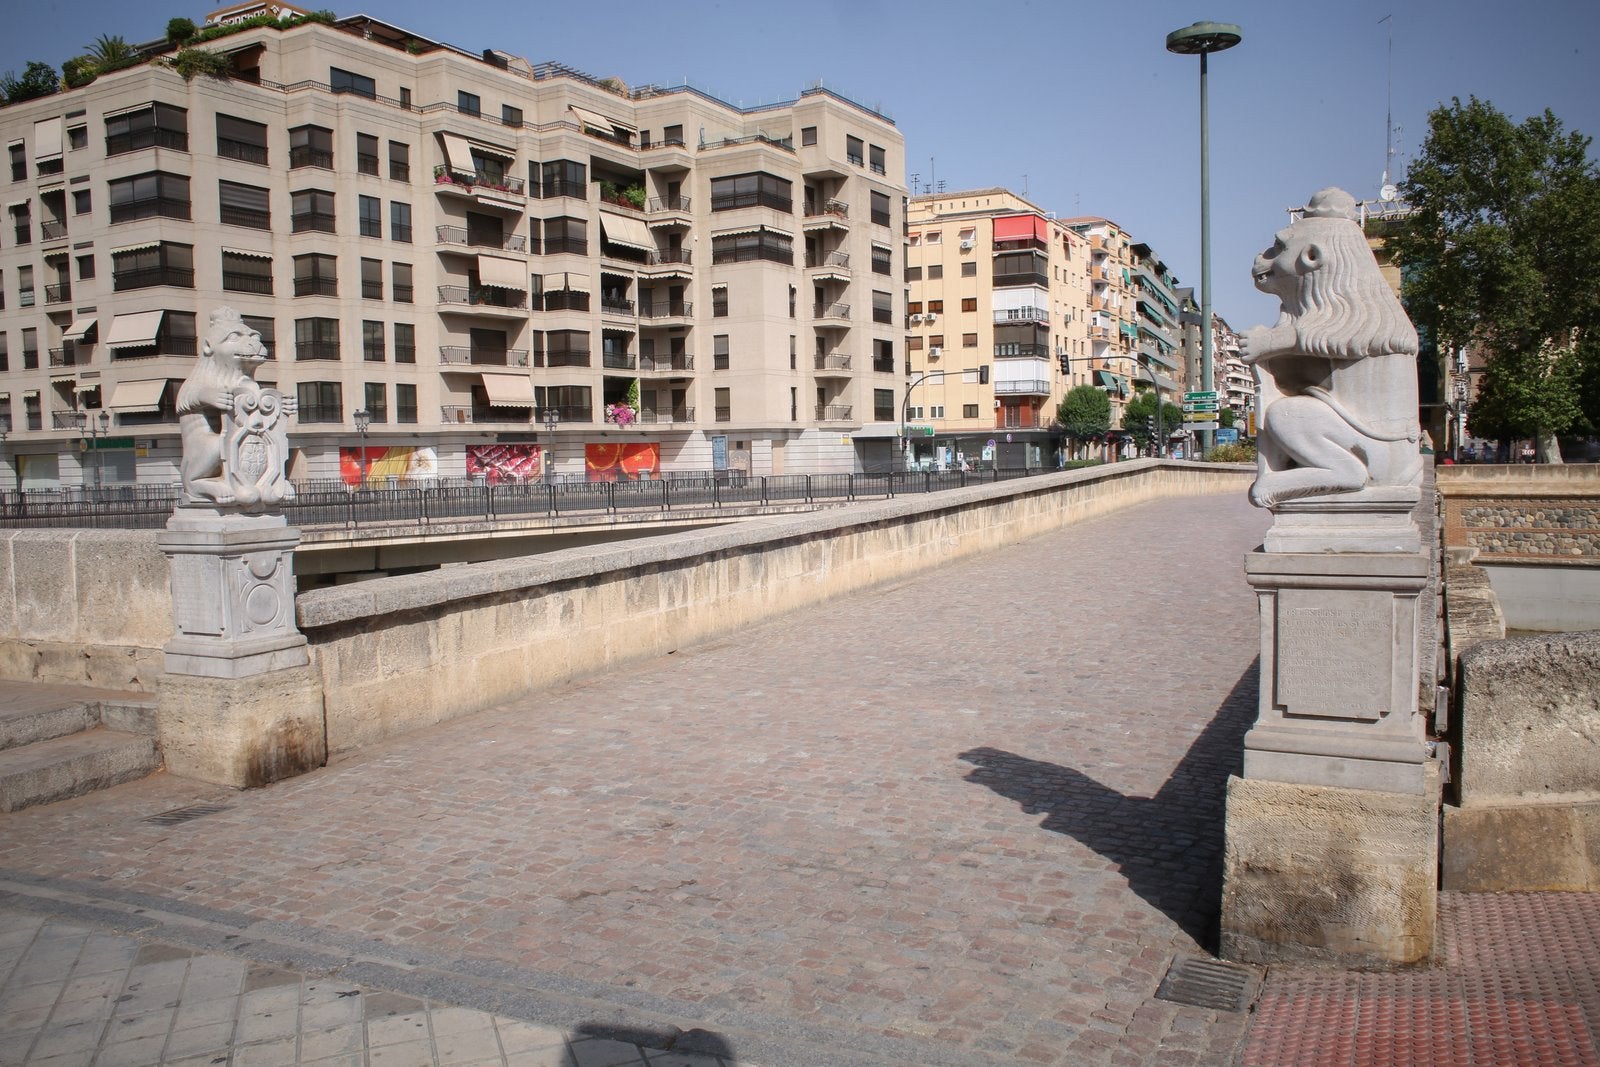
(833, 362)
(724, 414)
(1028, 314)
(667, 203)
(58, 292)
(613, 306)
(839, 260)
(565, 300)
(666, 309)
(662, 257)
(836, 208)
(150, 137)
(482, 297)
(830, 311)
(666, 417)
(244, 151)
(53, 230)
(480, 357)
(318, 287)
(1035, 387)
(306, 156)
(1022, 351)
(678, 361)
(243, 216)
(1025, 278)
(758, 198)
(235, 282)
(577, 246)
(64, 357)
(459, 235)
(566, 357)
(833, 412)
(479, 179)
(464, 413)
(619, 360)
(165, 207)
(316, 350)
(318, 221)
(143, 279)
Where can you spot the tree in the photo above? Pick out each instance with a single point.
(1500, 252)
(1084, 413)
(108, 51)
(1225, 417)
(180, 30)
(1143, 407)
(38, 79)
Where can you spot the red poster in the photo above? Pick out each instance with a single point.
(505, 463)
(607, 463)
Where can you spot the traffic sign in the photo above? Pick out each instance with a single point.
(1208, 394)
(1199, 405)
(1202, 425)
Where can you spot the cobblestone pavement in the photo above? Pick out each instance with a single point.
(966, 819)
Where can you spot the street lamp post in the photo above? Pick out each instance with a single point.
(363, 419)
(905, 408)
(552, 419)
(94, 429)
(1202, 39)
(1161, 423)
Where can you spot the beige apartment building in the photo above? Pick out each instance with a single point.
(1113, 310)
(998, 328)
(508, 270)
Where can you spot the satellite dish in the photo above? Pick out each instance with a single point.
(1388, 192)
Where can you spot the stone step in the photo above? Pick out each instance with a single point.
(63, 767)
(32, 712)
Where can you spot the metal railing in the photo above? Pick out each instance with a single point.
(500, 357)
(396, 502)
(459, 235)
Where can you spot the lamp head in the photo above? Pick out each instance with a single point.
(363, 419)
(1203, 37)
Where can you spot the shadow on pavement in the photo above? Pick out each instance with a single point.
(1169, 846)
(696, 1042)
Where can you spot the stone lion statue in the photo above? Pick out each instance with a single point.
(223, 415)
(1337, 374)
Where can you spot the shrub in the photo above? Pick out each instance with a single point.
(190, 62)
(180, 30)
(1242, 452)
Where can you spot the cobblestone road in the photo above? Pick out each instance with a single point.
(965, 819)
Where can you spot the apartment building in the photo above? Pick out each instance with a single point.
(998, 325)
(505, 269)
(1113, 310)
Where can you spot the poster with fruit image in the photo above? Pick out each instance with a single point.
(505, 463)
(609, 463)
(383, 462)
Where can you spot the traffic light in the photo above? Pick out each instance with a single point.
(1150, 425)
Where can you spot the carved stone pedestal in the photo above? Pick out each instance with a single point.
(239, 704)
(1332, 832)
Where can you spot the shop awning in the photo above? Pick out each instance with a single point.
(508, 390)
(137, 397)
(599, 123)
(79, 329)
(498, 273)
(131, 331)
(458, 153)
(628, 232)
(47, 139)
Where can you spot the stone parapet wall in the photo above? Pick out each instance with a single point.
(1525, 512)
(399, 653)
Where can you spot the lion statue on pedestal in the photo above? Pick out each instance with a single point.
(234, 437)
(1337, 374)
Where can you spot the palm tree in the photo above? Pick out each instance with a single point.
(107, 50)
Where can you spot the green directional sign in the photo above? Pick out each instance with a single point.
(1209, 394)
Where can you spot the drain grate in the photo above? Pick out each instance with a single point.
(1208, 983)
(182, 815)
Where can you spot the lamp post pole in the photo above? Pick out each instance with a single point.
(905, 407)
(552, 419)
(1161, 426)
(1202, 39)
(363, 419)
(104, 422)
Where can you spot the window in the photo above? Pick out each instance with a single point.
(160, 264)
(769, 245)
(672, 135)
(563, 234)
(883, 405)
(880, 211)
(405, 400)
(936, 411)
(808, 136)
(914, 307)
(719, 352)
(969, 411)
(376, 396)
(150, 126)
(882, 260)
(882, 307)
(372, 279)
(153, 195)
(401, 279)
(311, 210)
(399, 161)
(719, 301)
(510, 116)
(85, 267)
(316, 339)
(405, 342)
(405, 98)
(969, 303)
(369, 212)
(883, 356)
(936, 340)
(935, 271)
(311, 146)
(320, 402)
(936, 307)
(366, 154)
(316, 275)
(969, 270)
(875, 160)
(77, 137)
(563, 177)
(82, 202)
(757, 188)
(400, 221)
(934, 237)
(372, 346)
(266, 327)
(5, 364)
(244, 205)
(468, 103)
(794, 355)
(25, 297)
(19, 162)
(244, 272)
(241, 139)
(724, 405)
(969, 340)
(852, 150)
(30, 349)
(344, 81)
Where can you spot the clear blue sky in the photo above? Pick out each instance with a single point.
(1079, 103)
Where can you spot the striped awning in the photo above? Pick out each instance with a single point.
(131, 331)
(626, 231)
(570, 282)
(599, 122)
(498, 273)
(246, 253)
(79, 328)
(458, 153)
(138, 397)
(508, 390)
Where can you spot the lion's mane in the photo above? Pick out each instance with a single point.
(218, 370)
(1345, 309)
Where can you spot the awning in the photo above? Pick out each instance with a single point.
(79, 329)
(490, 150)
(1021, 228)
(58, 377)
(499, 201)
(568, 283)
(1106, 380)
(829, 274)
(246, 253)
(600, 123)
(628, 232)
(458, 153)
(508, 390)
(15, 204)
(741, 231)
(131, 331)
(47, 139)
(140, 247)
(499, 273)
(137, 397)
(88, 387)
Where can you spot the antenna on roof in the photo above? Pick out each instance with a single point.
(915, 179)
(1388, 192)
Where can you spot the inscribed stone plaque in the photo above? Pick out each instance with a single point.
(1335, 653)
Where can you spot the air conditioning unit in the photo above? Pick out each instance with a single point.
(931, 316)
(997, 405)
(917, 317)
(966, 246)
(935, 352)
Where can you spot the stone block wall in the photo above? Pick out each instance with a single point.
(1523, 512)
(399, 653)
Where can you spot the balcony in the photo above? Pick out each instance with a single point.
(666, 309)
(677, 363)
(147, 137)
(149, 207)
(460, 235)
(238, 282)
(316, 351)
(724, 414)
(488, 299)
(447, 179)
(617, 308)
(831, 214)
(53, 230)
(463, 355)
(243, 216)
(567, 357)
(671, 257)
(317, 287)
(64, 357)
(619, 361)
(566, 300)
(833, 412)
(667, 418)
(1018, 351)
(312, 222)
(182, 278)
(306, 156)
(244, 151)
(833, 262)
(483, 413)
(833, 361)
(668, 211)
(1028, 314)
(1033, 387)
(832, 312)
(57, 293)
